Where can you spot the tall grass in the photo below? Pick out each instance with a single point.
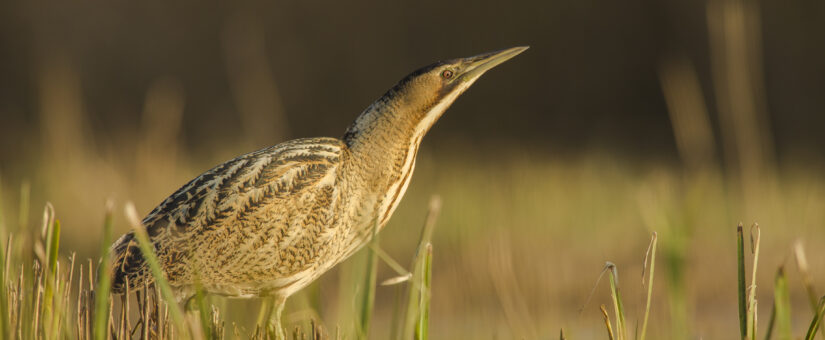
(780, 322)
(148, 252)
(104, 278)
(39, 305)
(620, 330)
(651, 256)
(370, 277)
(38, 302)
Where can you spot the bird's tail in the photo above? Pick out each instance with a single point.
(128, 265)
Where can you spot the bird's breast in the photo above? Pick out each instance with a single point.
(398, 184)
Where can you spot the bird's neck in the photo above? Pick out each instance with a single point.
(395, 124)
(383, 143)
(388, 133)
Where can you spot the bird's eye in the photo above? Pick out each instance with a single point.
(447, 74)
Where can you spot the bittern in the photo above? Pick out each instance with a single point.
(269, 222)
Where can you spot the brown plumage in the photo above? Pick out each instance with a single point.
(270, 222)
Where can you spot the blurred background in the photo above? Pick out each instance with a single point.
(624, 117)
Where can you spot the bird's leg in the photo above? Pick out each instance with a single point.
(275, 320)
(190, 304)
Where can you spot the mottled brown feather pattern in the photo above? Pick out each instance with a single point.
(272, 221)
(264, 216)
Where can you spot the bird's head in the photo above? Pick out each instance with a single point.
(422, 97)
(429, 91)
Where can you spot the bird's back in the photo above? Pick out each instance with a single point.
(268, 222)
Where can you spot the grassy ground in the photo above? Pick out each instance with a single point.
(517, 249)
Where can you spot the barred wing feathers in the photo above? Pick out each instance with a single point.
(263, 215)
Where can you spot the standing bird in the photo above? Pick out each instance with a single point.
(270, 222)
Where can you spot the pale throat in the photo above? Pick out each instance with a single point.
(435, 112)
(398, 185)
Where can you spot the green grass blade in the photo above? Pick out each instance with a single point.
(53, 247)
(817, 321)
(368, 297)
(429, 224)
(618, 306)
(147, 250)
(415, 283)
(751, 320)
(204, 312)
(652, 254)
(422, 329)
(782, 305)
(741, 290)
(101, 314)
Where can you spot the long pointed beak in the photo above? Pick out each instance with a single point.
(477, 65)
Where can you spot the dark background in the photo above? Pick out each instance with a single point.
(588, 81)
